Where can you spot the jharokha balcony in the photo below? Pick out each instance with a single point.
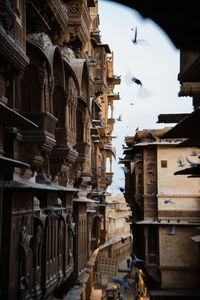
(108, 178)
(45, 133)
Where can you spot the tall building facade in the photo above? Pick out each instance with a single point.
(165, 212)
(56, 85)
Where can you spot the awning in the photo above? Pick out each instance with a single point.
(10, 117)
(9, 162)
(193, 170)
(14, 184)
(191, 142)
(171, 118)
(188, 127)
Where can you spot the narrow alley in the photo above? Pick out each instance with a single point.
(99, 189)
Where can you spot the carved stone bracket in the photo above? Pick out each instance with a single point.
(26, 240)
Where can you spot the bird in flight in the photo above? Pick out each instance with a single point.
(136, 260)
(121, 281)
(192, 164)
(136, 80)
(47, 181)
(169, 201)
(130, 79)
(125, 169)
(131, 103)
(119, 118)
(135, 40)
(101, 167)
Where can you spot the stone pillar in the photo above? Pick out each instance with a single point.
(1, 140)
(112, 109)
(111, 164)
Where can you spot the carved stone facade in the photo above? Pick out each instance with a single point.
(165, 210)
(53, 147)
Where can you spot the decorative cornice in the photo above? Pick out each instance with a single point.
(59, 13)
(41, 39)
(12, 51)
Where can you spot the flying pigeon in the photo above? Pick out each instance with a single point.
(105, 203)
(94, 60)
(136, 80)
(136, 260)
(125, 170)
(47, 181)
(192, 164)
(135, 40)
(101, 167)
(119, 118)
(52, 215)
(169, 201)
(121, 281)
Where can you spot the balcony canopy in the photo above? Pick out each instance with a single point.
(187, 128)
(10, 117)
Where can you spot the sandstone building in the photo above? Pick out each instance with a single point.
(56, 84)
(165, 212)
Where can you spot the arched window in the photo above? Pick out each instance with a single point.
(31, 90)
(79, 127)
(59, 106)
(107, 164)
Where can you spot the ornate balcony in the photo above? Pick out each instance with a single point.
(83, 150)
(59, 13)
(113, 96)
(42, 137)
(108, 179)
(11, 36)
(79, 21)
(102, 236)
(150, 207)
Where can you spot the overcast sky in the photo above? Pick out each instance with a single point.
(154, 60)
